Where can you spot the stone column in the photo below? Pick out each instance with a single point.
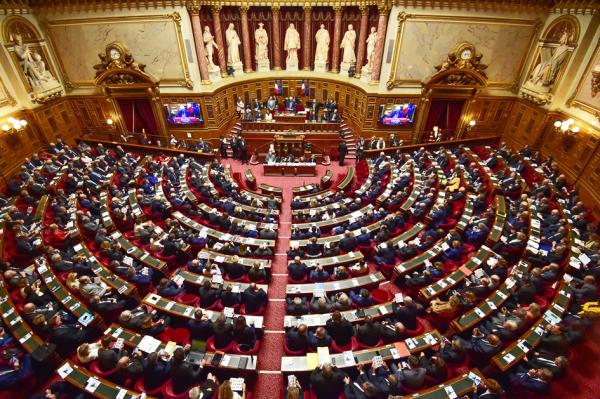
(199, 43)
(337, 37)
(379, 45)
(362, 38)
(246, 39)
(216, 14)
(276, 39)
(306, 46)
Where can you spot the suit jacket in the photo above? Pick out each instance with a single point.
(327, 388)
(341, 332)
(200, 329)
(296, 341)
(108, 358)
(223, 334)
(183, 376)
(407, 315)
(254, 300)
(411, 378)
(369, 334)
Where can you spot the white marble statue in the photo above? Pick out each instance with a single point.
(262, 42)
(551, 61)
(209, 46)
(33, 66)
(233, 46)
(292, 45)
(347, 45)
(322, 50)
(371, 40)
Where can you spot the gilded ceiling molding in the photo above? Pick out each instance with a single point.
(395, 81)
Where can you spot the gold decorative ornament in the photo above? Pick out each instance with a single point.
(463, 67)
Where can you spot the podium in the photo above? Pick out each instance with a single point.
(291, 143)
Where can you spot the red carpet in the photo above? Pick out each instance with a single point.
(270, 379)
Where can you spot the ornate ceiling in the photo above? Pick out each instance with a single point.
(25, 6)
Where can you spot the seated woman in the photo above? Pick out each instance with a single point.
(340, 273)
(87, 353)
(449, 306)
(243, 333)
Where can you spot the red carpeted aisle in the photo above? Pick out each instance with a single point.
(270, 380)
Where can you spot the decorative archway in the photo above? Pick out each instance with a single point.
(450, 92)
(133, 92)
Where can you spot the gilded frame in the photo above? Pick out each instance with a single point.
(6, 99)
(573, 102)
(167, 82)
(38, 42)
(393, 80)
(537, 52)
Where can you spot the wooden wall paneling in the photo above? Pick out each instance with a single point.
(524, 124)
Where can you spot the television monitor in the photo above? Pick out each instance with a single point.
(397, 114)
(183, 113)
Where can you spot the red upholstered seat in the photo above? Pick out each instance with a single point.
(253, 351)
(210, 345)
(167, 392)
(139, 387)
(420, 330)
(290, 352)
(188, 299)
(259, 312)
(342, 348)
(381, 296)
(360, 345)
(95, 369)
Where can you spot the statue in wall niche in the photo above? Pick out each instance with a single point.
(233, 45)
(347, 45)
(292, 45)
(595, 81)
(371, 41)
(322, 50)
(551, 61)
(262, 42)
(209, 46)
(32, 64)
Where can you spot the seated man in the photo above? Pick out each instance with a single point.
(369, 333)
(327, 381)
(296, 338)
(319, 338)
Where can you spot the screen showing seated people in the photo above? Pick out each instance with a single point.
(183, 114)
(397, 114)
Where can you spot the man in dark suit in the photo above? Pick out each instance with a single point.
(412, 377)
(296, 306)
(296, 338)
(208, 295)
(183, 374)
(327, 381)
(222, 332)
(108, 356)
(369, 333)
(406, 313)
(200, 327)
(535, 380)
(339, 329)
(348, 243)
(557, 365)
(553, 343)
(297, 269)
(254, 298)
(67, 337)
(343, 150)
(319, 338)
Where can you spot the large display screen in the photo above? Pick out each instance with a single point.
(397, 114)
(183, 114)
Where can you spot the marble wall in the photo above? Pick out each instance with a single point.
(426, 40)
(154, 40)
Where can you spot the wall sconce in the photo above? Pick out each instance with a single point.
(470, 125)
(14, 125)
(566, 127)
